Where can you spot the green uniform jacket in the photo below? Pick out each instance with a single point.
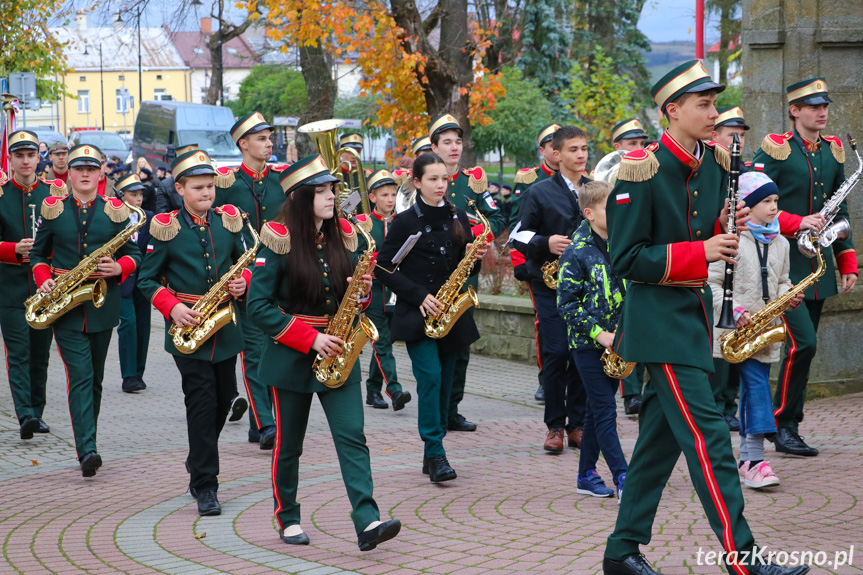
(187, 258)
(288, 356)
(806, 179)
(71, 232)
(663, 207)
(259, 194)
(473, 184)
(380, 294)
(16, 224)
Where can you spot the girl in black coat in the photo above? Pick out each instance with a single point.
(443, 232)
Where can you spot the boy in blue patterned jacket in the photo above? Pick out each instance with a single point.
(589, 298)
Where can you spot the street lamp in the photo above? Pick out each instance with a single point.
(138, 26)
(101, 83)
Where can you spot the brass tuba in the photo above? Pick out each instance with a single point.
(323, 134)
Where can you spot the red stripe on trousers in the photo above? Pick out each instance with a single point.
(381, 369)
(68, 386)
(704, 460)
(276, 449)
(248, 390)
(789, 363)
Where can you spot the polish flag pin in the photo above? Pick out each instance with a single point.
(622, 199)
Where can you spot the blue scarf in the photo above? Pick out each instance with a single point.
(764, 234)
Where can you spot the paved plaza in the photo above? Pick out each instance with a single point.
(513, 508)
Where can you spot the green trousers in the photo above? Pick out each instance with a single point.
(382, 366)
(725, 384)
(84, 356)
(632, 385)
(343, 408)
(133, 334)
(433, 371)
(678, 413)
(260, 401)
(800, 346)
(27, 352)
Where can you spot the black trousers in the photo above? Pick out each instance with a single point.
(565, 398)
(209, 389)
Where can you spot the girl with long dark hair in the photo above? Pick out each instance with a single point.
(441, 233)
(298, 282)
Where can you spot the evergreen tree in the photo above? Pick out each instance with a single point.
(546, 42)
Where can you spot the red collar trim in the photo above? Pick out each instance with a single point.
(679, 151)
(253, 174)
(548, 171)
(198, 221)
(24, 188)
(811, 146)
(82, 205)
(379, 216)
(454, 177)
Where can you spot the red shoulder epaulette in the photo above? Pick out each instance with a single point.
(280, 168)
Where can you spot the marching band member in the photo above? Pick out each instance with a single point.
(73, 227)
(628, 135)
(301, 274)
(441, 233)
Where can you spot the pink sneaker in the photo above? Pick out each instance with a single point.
(741, 470)
(759, 476)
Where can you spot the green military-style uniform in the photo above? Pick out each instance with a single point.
(808, 174)
(259, 195)
(27, 349)
(70, 231)
(290, 329)
(191, 252)
(665, 205)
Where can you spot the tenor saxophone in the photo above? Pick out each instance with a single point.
(189, 338)
(70, 291)
(454, 302)
(334, 371)
(549, 273)
(744, 342)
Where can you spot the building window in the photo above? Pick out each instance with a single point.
(121, 77)
(83, 101)
(83, 78)
(159, 94)
(122, 102)
(158, 76)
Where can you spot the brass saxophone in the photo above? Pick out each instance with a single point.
(333, 372)
(454, 302)
(744, 342)
(549, 273)
(614, 366)
(70, 291)
(189, 338)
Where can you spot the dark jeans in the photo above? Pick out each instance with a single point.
(209, 389)
(600, 418)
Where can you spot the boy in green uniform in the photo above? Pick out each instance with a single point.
(808, 167)
(663, 231)
(254, 188)
(628, 135)
(445, 135)
(382, 367)
(27, 349)
(73, 227)
(192, 250)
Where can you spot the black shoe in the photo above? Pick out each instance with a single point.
(43, 427)
(634, 564)
(376, 400)
(459, 423)
(301, 539)
(768, 569)
(268, 437)
(254, 435)
(787, 441)
(133, 384)
(733, 422)
(208, 503)
(238, 408)
(400, 398)
(370, 539)
(193, 492)
(540, 394)
(90, 463)
(632, 404)
(29, 426)
(438, 469)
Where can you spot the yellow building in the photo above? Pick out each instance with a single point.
(104, 76)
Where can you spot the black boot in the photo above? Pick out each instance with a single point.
(632, 404)
(767, 569)
(540, 394)
(238, 408)
(43, 427)
(268, 437)
(787, 441)
(376, 400)
(90, 463)
(29, 426)
(254, 435)
(733, 422)
(208, 503)
(634, 564)
(368, 540)
(438, 469)
(459, 423)
(301, 539)
(133, 384)
(400, 398)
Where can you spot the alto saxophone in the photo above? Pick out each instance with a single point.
(614, 366)
(744, 342)
(189, 338)
(549, 273)
(70, 291)
(334, 371)
(454, 302)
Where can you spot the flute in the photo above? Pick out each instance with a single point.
(726, 317)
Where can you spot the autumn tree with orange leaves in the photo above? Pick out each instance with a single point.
(409, 78)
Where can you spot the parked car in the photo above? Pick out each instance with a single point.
(163, 126)
(48, 135)
(110, 143)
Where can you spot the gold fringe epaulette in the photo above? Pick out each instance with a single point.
(52, 206)
(836, 148)
(225, 177)
(231, 219)
(276, 237)
(476, 180)
(4, 179)
(526, 176)
(400, 176)
(365, 222)
(57, 187)
(721, 154)
(638, 166)
(349, 235)
(116, 210)
(776, 146)
(165, 227)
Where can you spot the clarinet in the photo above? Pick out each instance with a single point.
(726, 317)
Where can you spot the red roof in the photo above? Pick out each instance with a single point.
(192, 46)
(733, 45)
